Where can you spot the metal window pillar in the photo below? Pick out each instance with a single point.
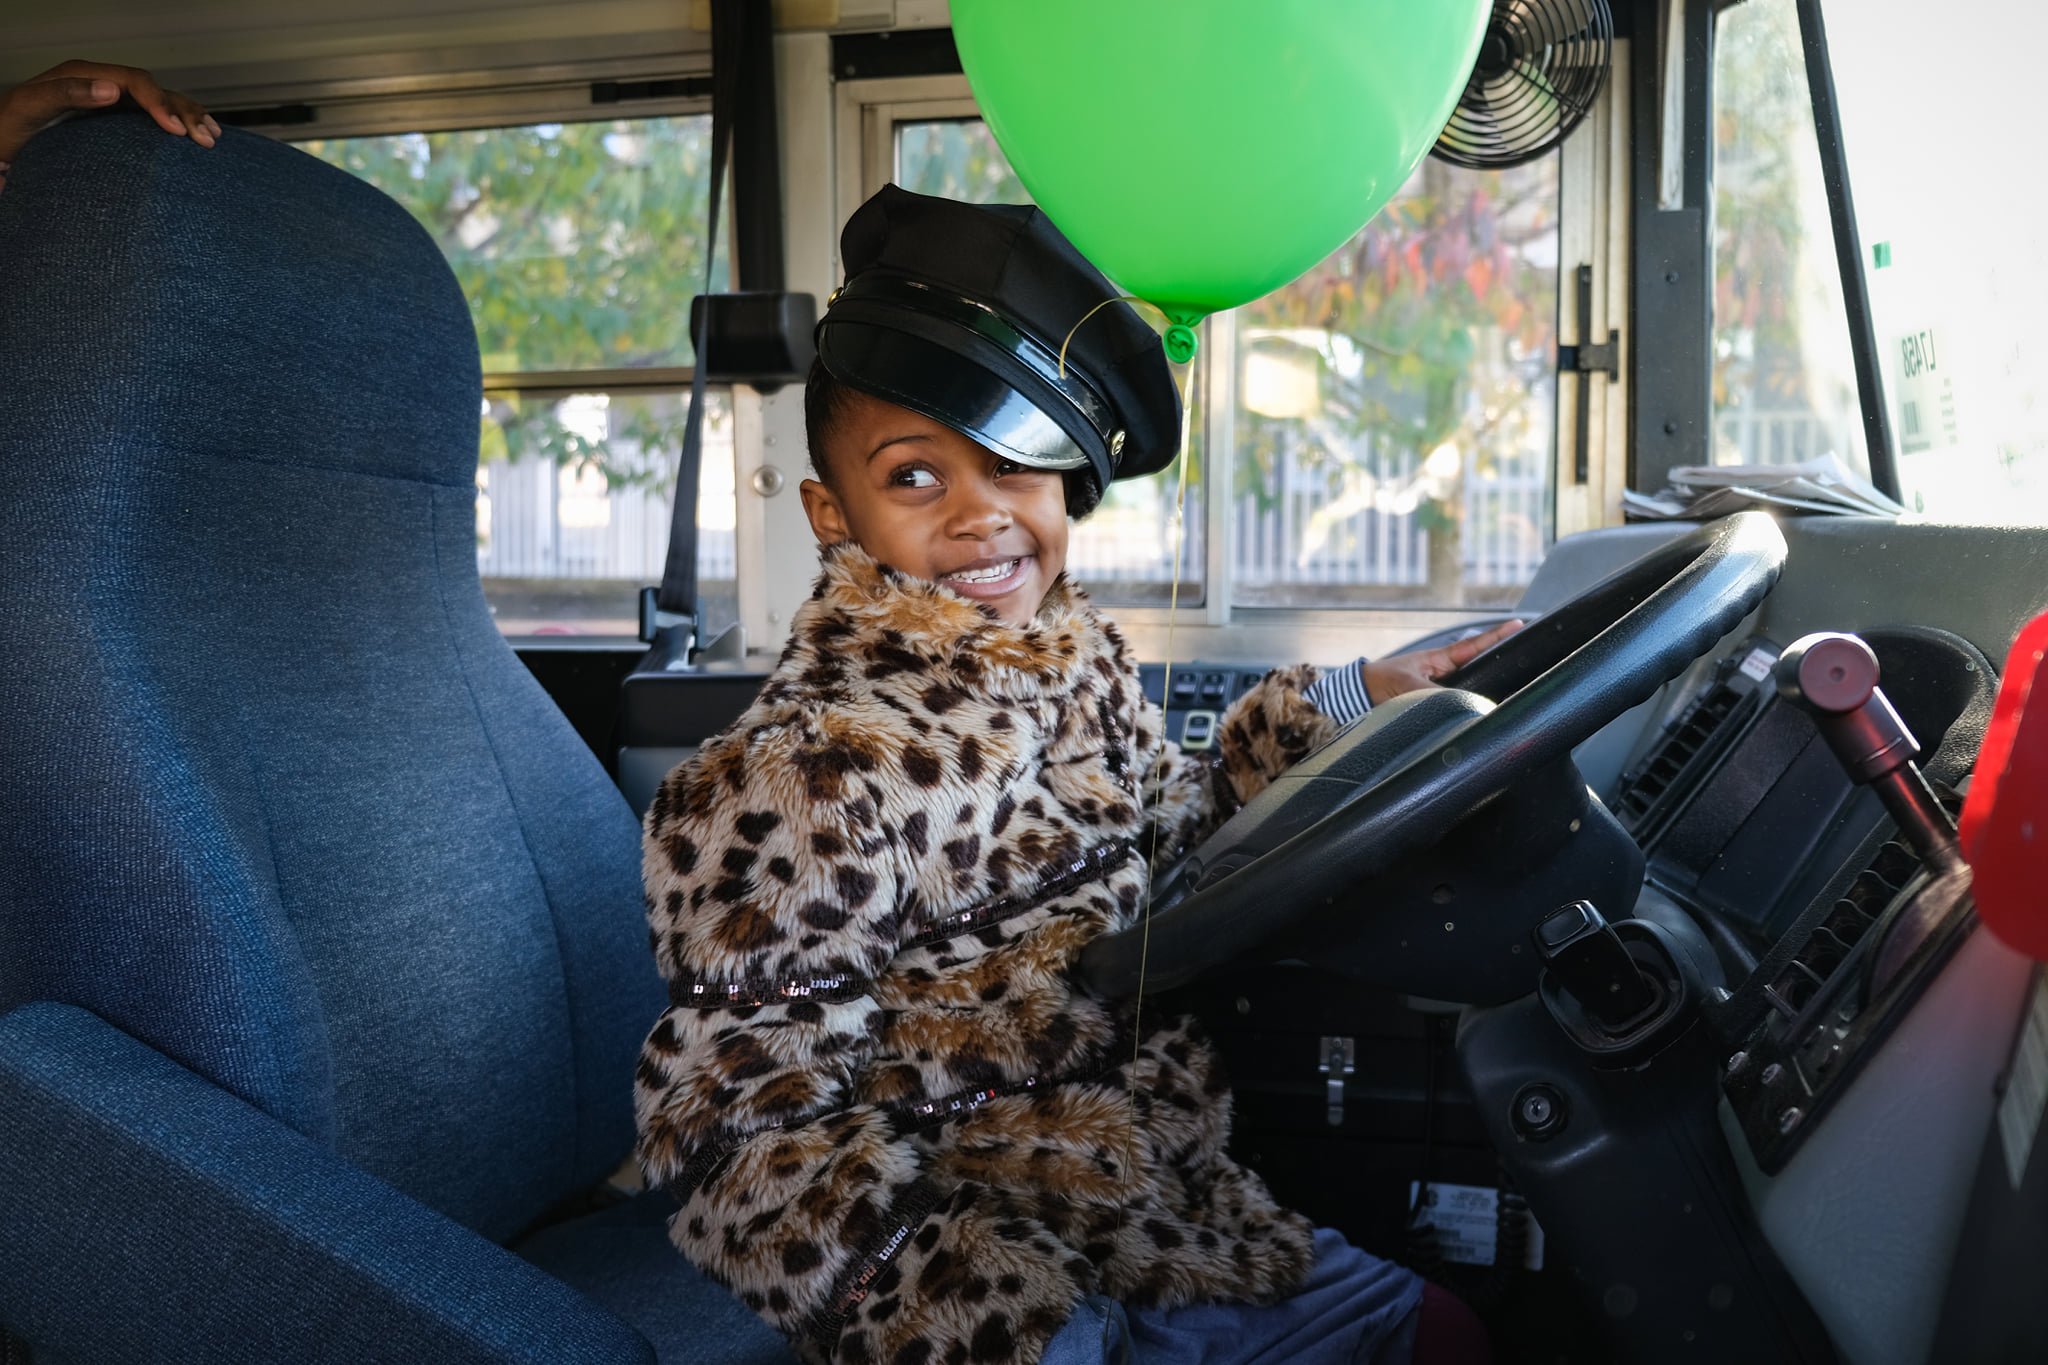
(1670, 358)
(1834, 167)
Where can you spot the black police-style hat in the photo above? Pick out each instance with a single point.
(957, 311)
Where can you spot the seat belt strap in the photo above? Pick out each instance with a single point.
(673, 626)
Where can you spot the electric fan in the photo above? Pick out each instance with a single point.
(1540, 68)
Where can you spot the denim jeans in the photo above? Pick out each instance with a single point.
(1355, 1309)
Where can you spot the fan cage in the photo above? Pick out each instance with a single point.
(1541, 66)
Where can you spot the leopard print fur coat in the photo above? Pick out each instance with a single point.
(896, 1126)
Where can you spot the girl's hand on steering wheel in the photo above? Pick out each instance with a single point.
(66, 89)
(1389, 678)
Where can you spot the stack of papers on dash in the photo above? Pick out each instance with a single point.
(1702, 492)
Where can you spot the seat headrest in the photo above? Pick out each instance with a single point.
(247, 301)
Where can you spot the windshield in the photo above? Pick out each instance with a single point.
(1940, 115)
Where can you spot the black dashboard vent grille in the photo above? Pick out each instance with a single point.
(1828, 946)
(1707, 725)
(1674, 753)
(1823, 1009)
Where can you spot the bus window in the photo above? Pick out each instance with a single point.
(578, 246)
(1392, 412)
(1396, 406)
(955, 158)
(574, 495)
(1784, 380)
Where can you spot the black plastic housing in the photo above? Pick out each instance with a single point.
(1639, 1194)
(760, 337)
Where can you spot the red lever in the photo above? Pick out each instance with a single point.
(2004, 829)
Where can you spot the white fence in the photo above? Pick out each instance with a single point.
(536, 520)
(1785, 436)
(1360, 523)
(1363, 522)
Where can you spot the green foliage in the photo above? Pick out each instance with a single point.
(956, 159)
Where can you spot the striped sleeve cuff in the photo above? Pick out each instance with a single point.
(1340, 693)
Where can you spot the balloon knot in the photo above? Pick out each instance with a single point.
(1181, 341)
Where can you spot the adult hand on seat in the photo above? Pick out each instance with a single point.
(1390, 677)
(70, 87)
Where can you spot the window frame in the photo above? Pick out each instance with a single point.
(1593, 228)
(1687, 168)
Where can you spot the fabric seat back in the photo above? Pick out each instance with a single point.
(275, 796)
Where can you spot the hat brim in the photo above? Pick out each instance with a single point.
(969, 369)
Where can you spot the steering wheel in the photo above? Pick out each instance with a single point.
(1556, 682)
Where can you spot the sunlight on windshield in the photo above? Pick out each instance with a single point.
(1784, 376)
(1940, 112)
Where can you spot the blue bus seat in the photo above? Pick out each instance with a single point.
(322, 960)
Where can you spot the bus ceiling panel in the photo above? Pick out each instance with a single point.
(256, 52)
(392, 44)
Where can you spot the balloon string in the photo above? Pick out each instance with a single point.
(1181, 378)
(1121, 298)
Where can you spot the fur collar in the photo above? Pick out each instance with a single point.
(863, 603)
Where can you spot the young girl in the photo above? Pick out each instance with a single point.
(895, 1125)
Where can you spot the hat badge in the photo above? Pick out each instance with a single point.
(1116, 445)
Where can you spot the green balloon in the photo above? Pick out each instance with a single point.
(1205, 152)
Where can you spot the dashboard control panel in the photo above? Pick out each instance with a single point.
(1750, 821)
(1196, 695)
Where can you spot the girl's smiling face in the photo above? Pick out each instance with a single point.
(922, 498)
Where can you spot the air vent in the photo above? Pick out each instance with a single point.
(1678, 748)
(1828, 946)
(1704, 728)
(671, 88)
(1820, 1024)
(269, 116)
